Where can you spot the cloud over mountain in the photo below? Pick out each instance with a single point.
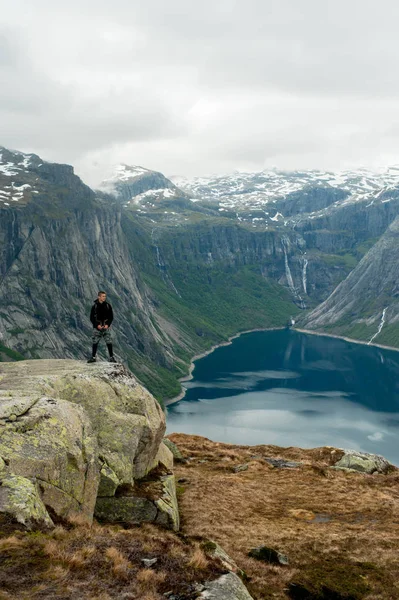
(188, 89)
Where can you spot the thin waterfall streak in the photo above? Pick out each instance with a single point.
(304, 278)
(381, 325)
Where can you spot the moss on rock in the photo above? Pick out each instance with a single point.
(20, 501)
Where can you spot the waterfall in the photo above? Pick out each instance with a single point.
(285, 242)
(159, 264)
(380, 326)
(162, 266)
(304, 280)
(288, 273)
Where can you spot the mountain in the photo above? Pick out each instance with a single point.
(365, 305)
(181, 273)
(60, 246)
(134, 184)
(27, 180)
(275, 195)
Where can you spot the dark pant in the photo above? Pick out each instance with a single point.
(102, 334)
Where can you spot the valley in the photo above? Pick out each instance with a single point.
(188, 264)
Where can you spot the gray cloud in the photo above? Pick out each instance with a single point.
(191, 88)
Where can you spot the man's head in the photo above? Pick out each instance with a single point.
(102, 296)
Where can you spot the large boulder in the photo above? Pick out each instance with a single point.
(227, 587)
(85, 435)
(363, 462)
(51, 443)
(158, 505)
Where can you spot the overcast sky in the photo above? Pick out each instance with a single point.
(190, 88)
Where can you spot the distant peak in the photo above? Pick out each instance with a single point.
(122, 171)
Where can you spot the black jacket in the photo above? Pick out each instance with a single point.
(101, 314)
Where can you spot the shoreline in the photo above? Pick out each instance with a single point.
(346, 339)
(189, 376)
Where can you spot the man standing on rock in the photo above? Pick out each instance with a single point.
(101, 316)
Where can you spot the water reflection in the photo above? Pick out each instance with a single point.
(288, 388)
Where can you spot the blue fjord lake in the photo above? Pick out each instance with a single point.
(288, 388)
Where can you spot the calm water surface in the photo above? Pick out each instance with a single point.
(292, 389)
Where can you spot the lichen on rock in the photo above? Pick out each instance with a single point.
(84, 435)
(363, 462)
(20, 502)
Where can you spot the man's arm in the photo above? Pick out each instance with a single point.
(111, 315)
(92, 316)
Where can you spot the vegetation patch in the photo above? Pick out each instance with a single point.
(102, 563)
(333, 579)
(6, 354)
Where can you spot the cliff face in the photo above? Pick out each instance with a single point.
(366, 304)
(78, 440)
(347, 225)
(59, 245)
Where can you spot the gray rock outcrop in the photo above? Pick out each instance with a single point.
(227, 587)
(85, 438)
(363, 462)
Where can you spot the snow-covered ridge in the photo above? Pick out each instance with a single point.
(13, 162)
(13, 166)
(122, 174)
(263, 192)
(154, 195)
(270, 185)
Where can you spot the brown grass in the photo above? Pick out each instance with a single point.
(198, 560)
(319, 517)
(121, 567)
(101, 562)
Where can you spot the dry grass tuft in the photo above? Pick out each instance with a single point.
(56, 573)
(198, 559)
(11, 542)
(121, 567)
(79, 521)
(59, 532)
(145, 576)
(55, 550)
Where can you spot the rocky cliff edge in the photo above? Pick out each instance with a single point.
(82, 440)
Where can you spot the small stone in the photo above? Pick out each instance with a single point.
(12, 418)
(177, 455)
(239, 468)
(269, 555)
(204, 460)
(148, 562)
(282, 464)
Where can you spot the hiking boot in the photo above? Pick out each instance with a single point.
(112, 359)
(92, 359)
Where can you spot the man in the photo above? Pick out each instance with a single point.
(101, 316)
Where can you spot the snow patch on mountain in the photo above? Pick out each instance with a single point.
(124, 173)
(152, 195)
(244, 192)
(14, 165)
